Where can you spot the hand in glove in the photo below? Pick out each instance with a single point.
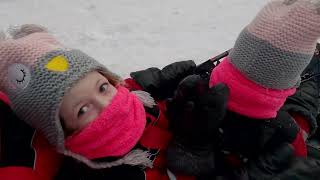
(266, 165)
(195, 113)
(250, 137)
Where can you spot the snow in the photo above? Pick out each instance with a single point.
(130, 35)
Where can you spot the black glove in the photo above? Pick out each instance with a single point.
(195, 113)
(265, 166)
(303, 168)
(249, 137)
(161, 84)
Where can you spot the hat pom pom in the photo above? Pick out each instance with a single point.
(25, 30)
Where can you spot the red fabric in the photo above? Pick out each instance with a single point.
(4, 98)
(162, 119)
(156, 138)
(48, 160)
(132, 84)
(299, 144)
(301, 121)
(152, 174)
(233, 160)
(46, 165)
(115, 132)
(18, 173)
(246, 97)
(155, 174)
(184, 177)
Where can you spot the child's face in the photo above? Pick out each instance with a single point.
(86, 99)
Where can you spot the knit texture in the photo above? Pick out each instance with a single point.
(25, 50)
(36, 71)
(278, 44)
(114, 132)
(38, 103)
(246, 97)
(270, 53)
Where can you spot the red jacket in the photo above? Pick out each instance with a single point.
(45, 162)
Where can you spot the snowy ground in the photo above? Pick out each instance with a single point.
(129, 35)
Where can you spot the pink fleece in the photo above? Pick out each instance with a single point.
(4, 98)
(246, 97)
(115, 132)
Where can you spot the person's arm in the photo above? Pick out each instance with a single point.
(16, 137)
(266, 166)
(305, 102)
(161, 84)
(16, 154)
(195, 114)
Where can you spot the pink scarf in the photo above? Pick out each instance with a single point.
(246, 97)
(115, 131)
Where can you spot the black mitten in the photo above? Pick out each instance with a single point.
(247, 138)
(266, 166)
(195, 113)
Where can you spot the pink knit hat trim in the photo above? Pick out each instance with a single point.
(246, 97)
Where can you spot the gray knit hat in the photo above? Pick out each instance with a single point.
(278, 44)
(35, 72)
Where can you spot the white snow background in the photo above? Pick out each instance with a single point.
(130, 35)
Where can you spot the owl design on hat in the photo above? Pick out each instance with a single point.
(36, 73)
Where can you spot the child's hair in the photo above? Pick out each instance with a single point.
(113, 78)
(37, 72)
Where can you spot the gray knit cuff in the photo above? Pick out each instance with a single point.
(267, 65)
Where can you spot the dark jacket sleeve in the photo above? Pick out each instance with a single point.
(250, 137)
(280, 164)
(71, 169)
(162, 83)
(16, 138)
(306, 100)
(303, 168)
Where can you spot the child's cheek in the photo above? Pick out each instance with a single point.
(89, 116)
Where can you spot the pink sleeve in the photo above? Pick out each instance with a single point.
(4, 98)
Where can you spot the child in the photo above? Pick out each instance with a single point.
(85, 111)
(261, 71)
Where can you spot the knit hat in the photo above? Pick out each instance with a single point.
(270, 54)
(36, 71)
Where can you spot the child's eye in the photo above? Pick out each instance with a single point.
(82, 110)
(103, 87)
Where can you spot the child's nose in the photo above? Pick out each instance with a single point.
(100, 102)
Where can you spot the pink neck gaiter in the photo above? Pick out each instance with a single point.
(246, 97)
(114, 132)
